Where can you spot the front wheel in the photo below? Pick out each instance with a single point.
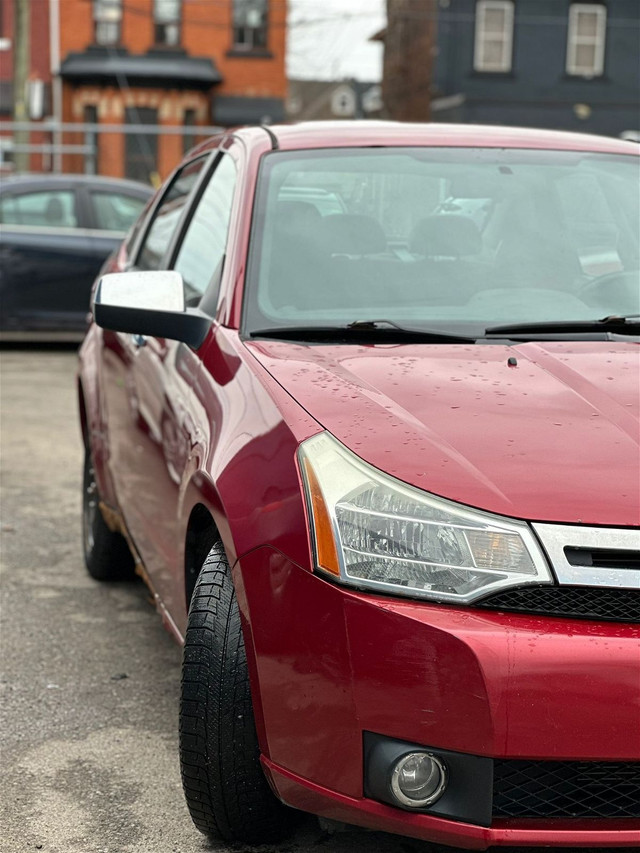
(225, 788)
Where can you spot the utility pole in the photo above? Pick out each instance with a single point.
(409, 50)
(21, 54)
(56, 81)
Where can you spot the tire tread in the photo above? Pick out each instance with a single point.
(225, 788)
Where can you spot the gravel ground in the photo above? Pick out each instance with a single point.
(89, 680)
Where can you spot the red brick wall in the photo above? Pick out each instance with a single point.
(206, 31)
(40, 62)
(111, 103)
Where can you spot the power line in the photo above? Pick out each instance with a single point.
(442, 16)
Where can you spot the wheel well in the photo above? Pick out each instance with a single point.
(202, 534)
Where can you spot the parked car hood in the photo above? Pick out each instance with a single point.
(555, 437)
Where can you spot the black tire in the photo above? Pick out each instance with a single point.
(225, 788)
(106, 553)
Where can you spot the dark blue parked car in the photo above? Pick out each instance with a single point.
(55, 233)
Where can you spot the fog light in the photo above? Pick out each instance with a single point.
(418, 779)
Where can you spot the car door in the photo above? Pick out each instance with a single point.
(46, 259)
(164, 373)
(147, 383)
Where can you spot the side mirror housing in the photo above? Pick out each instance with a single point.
(149, 303)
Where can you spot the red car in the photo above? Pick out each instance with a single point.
(378, 461)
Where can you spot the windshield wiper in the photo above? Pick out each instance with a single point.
(625, 324)
(363, 331)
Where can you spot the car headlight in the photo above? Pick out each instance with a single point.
(375, 532)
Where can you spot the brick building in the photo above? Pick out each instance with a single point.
(39, 89)
(168, 63)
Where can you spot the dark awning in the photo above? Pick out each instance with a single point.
(166, 69)
(231, 110)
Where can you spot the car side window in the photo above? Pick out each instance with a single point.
(201, 253)
(114, 211)
(167, 216)
(50, 209)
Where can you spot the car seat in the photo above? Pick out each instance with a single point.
(444, 243)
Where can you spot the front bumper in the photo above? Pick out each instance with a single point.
(307, 796)
(330, 664)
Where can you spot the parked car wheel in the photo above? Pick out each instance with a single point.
(225, 788)
(106, 553)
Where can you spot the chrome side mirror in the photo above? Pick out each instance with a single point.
(149, 303)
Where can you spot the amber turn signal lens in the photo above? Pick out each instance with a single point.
(325, 543)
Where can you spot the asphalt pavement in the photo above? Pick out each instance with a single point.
(89, 678)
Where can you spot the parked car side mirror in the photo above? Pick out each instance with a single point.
(149, 303)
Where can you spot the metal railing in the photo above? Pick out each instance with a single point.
(58, 146)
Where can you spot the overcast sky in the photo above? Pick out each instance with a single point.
(328, 39)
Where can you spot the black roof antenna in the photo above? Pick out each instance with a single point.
(272, 137)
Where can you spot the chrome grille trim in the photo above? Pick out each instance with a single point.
(556, 537)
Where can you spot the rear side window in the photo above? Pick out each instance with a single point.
(167, 216)
(50, 209)
(115, 211)
(201, 254)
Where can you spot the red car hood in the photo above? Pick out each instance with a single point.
(554, 438)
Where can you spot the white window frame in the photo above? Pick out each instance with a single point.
(249, 34)
(574, 39)
(107, 20)
(167, 19)
(481, 36)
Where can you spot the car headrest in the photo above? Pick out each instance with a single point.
(296, 216)
(54, 212)
(352, 234)
(446, 235)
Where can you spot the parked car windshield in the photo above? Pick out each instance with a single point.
(446, 238)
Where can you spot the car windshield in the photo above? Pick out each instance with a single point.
(456, 239)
